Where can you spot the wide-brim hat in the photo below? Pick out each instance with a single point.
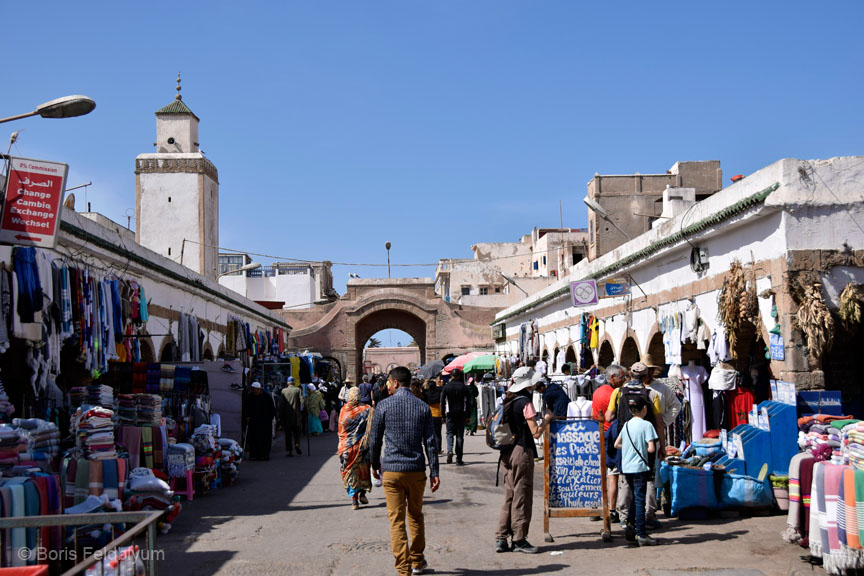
(348, 380)
(524, 378)
(648, 360)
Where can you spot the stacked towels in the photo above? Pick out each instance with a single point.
(38, 437)
(94, 433)
(127, 409)
(9, 445)
(856, 446)
(149, 409)
(166, 380)
(100, 395)
(77, 396)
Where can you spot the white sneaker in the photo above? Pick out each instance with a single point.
(421, 569)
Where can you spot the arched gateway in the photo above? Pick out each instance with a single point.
(341, 328)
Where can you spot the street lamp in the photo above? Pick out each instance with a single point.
(244, 268)
(387, 246)
(66, 107)
(601, 212)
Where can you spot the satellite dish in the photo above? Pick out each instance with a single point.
(698, 259)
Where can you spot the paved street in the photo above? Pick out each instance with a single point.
(291, 516)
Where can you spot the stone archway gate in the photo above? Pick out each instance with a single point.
(341, 328)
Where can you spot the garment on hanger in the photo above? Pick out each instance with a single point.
(691, 324)
(671, 327)
(594, 327)
(694, 376)
(719, 349)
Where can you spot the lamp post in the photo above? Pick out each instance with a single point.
(387, 246)
(601, 212)
(244, 268)
(66, 107)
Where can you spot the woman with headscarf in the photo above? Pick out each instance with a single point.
(473, 394)
(355, 420)
(314, 403)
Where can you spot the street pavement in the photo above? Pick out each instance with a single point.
(291, 516)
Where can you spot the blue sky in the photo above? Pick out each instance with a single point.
(338, 126)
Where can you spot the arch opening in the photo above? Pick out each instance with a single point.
(629, 352)
(372, 324)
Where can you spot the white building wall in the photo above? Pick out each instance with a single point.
(164, 223)
(182, 128)
(297, 291)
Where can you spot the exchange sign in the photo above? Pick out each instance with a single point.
(33, 202)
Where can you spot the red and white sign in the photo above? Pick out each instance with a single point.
(33, 203)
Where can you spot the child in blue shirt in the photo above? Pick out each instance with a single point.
(636, 441)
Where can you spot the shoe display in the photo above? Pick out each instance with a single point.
(501, 546)
(525, 547)
(421, 569)
(362, 498)
(646, 541)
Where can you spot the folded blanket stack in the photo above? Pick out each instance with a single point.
(38, 437)
(127, 409)
(100, 395)
(149, 409)
(94, 433)
(9, 445)
(77, 396)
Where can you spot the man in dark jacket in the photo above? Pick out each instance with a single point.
(365, 391)
(555, 399)
(454, 405)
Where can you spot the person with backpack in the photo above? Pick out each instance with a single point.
(637, 441)
(517, 456)
(618, 402)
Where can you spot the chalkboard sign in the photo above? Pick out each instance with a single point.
(575, 477)
(575, 471)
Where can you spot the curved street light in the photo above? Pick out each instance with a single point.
(244, 268)
(66, 107)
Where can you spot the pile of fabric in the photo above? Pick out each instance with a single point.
(204, 439)
(232, 455)
(855, 444)
(166, 378)
(148, 490)
(40, 438)
(181, 459)
(9, 441)
(127, 409)
(100, 395)
(77, 396)
(94, 433)
(149, 409)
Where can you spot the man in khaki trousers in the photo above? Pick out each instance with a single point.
(403, 424)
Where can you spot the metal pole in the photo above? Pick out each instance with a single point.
(19, 116)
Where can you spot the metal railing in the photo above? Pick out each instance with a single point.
(143, 521)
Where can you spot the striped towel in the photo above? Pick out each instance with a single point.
(82, 481)
(147, 446)
(96, 485)
(111, 479)
(166, 382)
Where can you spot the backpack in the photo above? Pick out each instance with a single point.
(628, 392)
(499, 436)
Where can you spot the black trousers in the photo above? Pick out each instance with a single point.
(455, 431)
(437, 423)
(292, 433)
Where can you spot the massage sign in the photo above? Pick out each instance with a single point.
(32, 203)
(575, 473)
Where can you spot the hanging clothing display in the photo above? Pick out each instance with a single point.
(694, 377)
(719, 349)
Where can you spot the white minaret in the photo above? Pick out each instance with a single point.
(177, 193)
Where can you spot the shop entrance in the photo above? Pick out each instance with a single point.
(606, 355)
(629, 353)
(841, 364)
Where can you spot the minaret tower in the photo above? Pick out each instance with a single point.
(177, 193)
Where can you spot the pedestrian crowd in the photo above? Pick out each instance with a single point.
(393, 428)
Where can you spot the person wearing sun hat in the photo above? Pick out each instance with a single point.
(518, 463)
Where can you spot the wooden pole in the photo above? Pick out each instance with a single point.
(546, 437)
